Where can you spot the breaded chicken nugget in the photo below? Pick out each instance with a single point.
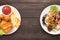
(1, 16)
(6, 26)
(7, 30)
(7, 18)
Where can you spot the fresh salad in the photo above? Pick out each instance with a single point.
(52, 19)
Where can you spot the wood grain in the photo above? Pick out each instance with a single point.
(30, 28)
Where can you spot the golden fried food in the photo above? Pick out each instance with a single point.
(1, 16)
(6, 26)
(7, 30)
(5, 23)
(15, 20)
(7, 18)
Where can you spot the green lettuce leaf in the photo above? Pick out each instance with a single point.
(54, 8)
(1, 31)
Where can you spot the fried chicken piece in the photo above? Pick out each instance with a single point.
(6, 26)
(7, 30)
(1, 16)
(3, 23)
(7, 18)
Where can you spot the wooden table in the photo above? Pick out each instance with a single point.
(30, 28)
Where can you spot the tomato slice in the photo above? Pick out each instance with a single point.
(6, 10)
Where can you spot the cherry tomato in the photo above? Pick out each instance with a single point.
(6, 10)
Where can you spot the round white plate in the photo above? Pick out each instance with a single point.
(17, 14)
(45, 11)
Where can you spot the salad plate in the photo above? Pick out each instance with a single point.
(50, 19)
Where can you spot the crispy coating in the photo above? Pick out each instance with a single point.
(7, 30)
(1, 16)
(7, 18)
(6, 26)
(5, 23)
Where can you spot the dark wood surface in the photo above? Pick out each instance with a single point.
(30, 28)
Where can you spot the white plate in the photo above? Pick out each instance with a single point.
(45, 11)
(17, 15)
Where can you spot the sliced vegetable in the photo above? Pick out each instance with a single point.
(54, 8)
(1, 31)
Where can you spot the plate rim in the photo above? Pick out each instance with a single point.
(42, 22)
(19, 17)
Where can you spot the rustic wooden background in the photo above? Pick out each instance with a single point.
(30, 28)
